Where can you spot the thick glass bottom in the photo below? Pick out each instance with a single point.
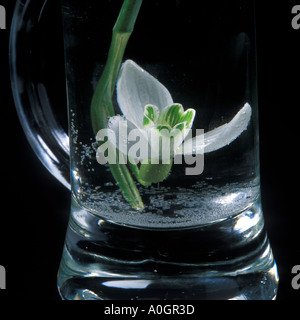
(229, 259)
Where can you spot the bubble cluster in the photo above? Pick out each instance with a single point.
(167, 207)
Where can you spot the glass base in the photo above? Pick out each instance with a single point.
(229, 259)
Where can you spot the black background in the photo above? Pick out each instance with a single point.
(34, 206)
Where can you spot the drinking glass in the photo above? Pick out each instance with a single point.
(162, 151)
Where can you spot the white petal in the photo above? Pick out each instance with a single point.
(137, 88)
(221, 136)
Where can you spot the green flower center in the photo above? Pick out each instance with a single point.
(172, 118)
(169, 122)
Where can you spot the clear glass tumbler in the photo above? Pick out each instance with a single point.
(164, 152)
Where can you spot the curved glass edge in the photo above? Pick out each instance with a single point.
(32, 102)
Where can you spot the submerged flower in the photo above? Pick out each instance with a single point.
(147, 105)
(149, 109)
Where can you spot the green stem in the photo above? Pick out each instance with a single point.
(102, 106)
(102, 99)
